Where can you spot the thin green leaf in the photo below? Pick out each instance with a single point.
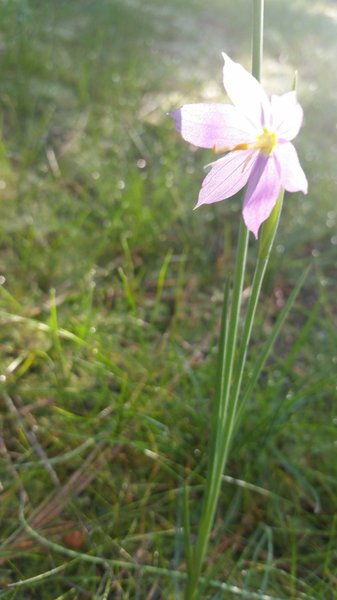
(261, 361)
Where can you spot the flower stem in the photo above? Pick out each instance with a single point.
(225, 403)
(257, 38)
(221, 409)
(267, 236)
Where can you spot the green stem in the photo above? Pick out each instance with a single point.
(267, 237)
(223, 415)
(220, 379)
(217, 461)
(227, 359)
(257, 38)
(230, 402)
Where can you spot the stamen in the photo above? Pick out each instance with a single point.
(266, 141)
(218, 150)
(242, 147)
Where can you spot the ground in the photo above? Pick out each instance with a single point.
(110, 300)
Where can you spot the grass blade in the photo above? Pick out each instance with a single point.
(261, 361)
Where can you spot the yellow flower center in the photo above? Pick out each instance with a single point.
(266, 141)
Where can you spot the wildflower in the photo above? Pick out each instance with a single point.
(255, 134)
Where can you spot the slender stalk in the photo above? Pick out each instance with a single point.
(227, 360)
(216, 412)
(229, 398)
(257, 38)
(267, 237)
(223, 413)
(217, 463)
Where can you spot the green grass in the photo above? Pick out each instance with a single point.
(110, 302)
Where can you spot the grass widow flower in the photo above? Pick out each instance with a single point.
(255, 134)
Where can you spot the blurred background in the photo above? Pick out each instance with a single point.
(110, 299)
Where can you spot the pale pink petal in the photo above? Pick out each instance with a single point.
(287, 115)
(293, 178)
(246, 93)
(262, 191)
(209, 125)
(228, 176)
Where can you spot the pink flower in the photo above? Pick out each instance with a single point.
(255, 134)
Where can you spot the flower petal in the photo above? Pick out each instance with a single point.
(293, 178)
(209, 125)
(262, 191)
(246, 93)
(228, 176)
(287, 115)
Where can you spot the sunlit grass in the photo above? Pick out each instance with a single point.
(110, 299)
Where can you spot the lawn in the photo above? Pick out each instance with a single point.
(110, 301)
